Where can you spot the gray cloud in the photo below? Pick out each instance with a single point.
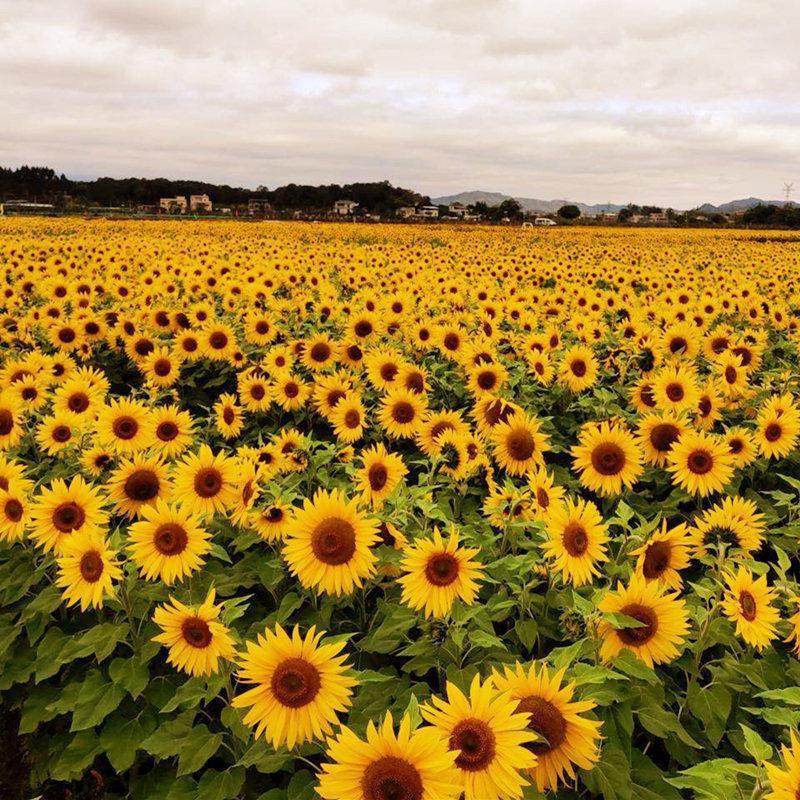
(675, 104)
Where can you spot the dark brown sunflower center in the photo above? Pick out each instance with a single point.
(274, 514)
(663, 436)
(78, 402)
(608, 458)
(378, 475)
(415, 382)
(636, 637)
(91, 566)
(487, 380)
(451, 341)
(403, 412)
(29, 393)
(291, 390)
(125, 428)
(542, 498)
(363, 328)
(68, 517)
(170, 539)
(352, 419)
(295, 682)
(196, 632)
(6, 422)
(334, 541)
(62, 433)
(441, 569)
(228, 415)
(700, 462)
(208, 482)
(257, 392)
(656, 559)
(391, 778)
(578, 368)
(320, 352)
(736, 446)
(13, 510)
(476, 742)
(773, 432)
(678, 344)
(675, 392)
(142, 485)
(705, 406)
(218, 340)
(162, 367)
(167, 431)
(747, 603)
(546, 720)
(389, 372)
(497, 411)
(575, 539)
(730, 374)
(520, 444)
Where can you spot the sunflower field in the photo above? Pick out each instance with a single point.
(295, 511)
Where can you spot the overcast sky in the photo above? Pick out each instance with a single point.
(674, 102)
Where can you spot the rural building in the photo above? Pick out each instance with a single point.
(406, 212)
(344, 207)
(258, 206)
(606, 216)
(458, 209)
(172, 205)
(431, 212)
(659, 217)
(200, 203)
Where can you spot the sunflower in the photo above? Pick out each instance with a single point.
(579, 368)
(56, 433)
(576, 540)
(519, 444)
(79, 397)
(228, 416)
(61, 510)
(489, 412)
(657, 433)
(545, 494)
(663, 555)
(218, 342)
(401, 413)
(205, 483)
(434, 424)
(348, 418)
(15, 513)
(273, 521)
(607, 459)
(567, 739)
(300, 686)
(328, 544)
(289, 392)
(408, 765)
(675, 389)
(438, 573)
(642, 396)
(196, 639)
(380, 474)
(319, 353)
(161, 368)
(785, 783)
(777, 434)
(492, 740)
(700, 463)
(709, 406)
(742, 446)
(167, 542)
(504, 505)
(732, 376)
(255, 393)
(540, 366)
(414, 378)
(733, 521)
(663, 622)
(172, 430)
(486, 378)
(459, 455)
(12, 473)
(748, 603)
(260, 329)
(10, 421)
(87, 569)
(137, 482)
(96, 460)
(329, 390)
(124, 426)
(247, 492)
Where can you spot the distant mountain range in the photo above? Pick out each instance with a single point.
(551, 206)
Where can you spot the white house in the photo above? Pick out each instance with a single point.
(344, 207)
(406, 212)
(458, 209)
(200, 202)
(172, 205)
(431, 212)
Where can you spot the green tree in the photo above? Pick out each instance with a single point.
(569, 211)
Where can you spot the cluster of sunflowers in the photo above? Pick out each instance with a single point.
(519, 470)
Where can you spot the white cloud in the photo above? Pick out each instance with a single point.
(674, 104)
